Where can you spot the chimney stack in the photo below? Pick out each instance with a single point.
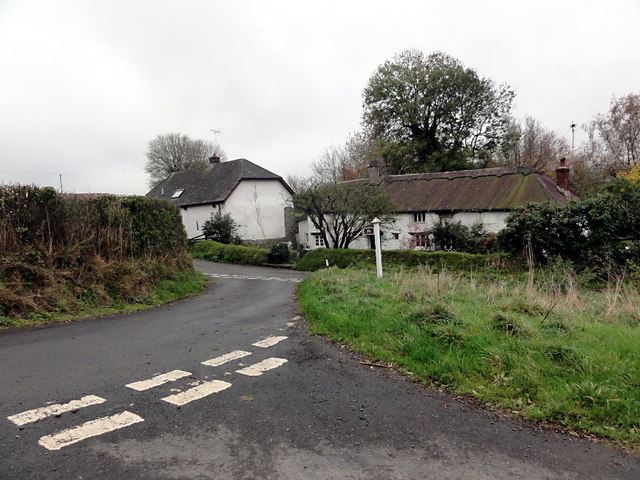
(377, 168)
(214, 159)
(562, 176)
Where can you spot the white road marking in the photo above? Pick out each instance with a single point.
(50, 410)
(158, 380)
(247, 277)
(269, 342)
(89, 429)
(196, 393)
(259, 368)
(221, 360)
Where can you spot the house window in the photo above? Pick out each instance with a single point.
(177, 193)
(319, 241)
(419, 217)
(421, 239)
(396, 235)
(197, 227)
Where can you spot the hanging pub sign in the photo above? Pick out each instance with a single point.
(367, 231)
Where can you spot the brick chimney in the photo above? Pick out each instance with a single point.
(214, 159)
(562, 176)
(377, 168)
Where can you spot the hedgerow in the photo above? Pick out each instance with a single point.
(343, 258)
(60, 252)
(219, 252)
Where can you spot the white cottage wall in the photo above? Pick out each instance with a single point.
(194, 216)
(401, 233)
(258, 207)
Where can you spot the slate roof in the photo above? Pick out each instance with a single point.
(502, 189)
(212, 183)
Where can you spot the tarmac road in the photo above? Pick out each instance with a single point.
(228, 385)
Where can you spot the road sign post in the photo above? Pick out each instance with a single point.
(376, 235)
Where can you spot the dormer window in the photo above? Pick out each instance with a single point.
(177, 193)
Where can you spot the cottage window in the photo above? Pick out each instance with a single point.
(319, 241)
(177, 193)
(421, 239)
(419, 217)
(396, 235)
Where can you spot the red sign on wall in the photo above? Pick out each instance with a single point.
(367, 231)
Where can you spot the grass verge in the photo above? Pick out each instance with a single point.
(178, 285)
(543, 348)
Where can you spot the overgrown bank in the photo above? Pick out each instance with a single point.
(70, 255)
(544, 347)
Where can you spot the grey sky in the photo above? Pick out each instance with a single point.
(84, 85)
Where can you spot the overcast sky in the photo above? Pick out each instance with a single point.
(85, 85)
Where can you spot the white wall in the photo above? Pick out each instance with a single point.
(194, 217)
(258, 207)
(404, 226)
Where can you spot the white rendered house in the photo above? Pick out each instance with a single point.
(256, 199)
(423, 200)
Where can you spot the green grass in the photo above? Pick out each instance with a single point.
(178, 285)
(542, 348)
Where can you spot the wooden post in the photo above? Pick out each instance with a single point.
(376, 234)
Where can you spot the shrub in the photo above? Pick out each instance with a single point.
(279, 253)
(221, 228)
(601, 229)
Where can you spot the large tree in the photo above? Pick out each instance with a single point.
(175, 152)
(614, 138)
(433, 114)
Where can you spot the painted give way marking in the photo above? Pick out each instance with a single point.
(88, 430)
(103, 425)
(51, 410)
(196, 393)
(158, 380)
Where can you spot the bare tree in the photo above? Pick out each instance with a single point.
(337, 207)
(175, 152)
(614, 138)
(341, 210)
(348, 161)
(529, 143)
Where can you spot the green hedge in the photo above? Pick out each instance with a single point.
(62, 254)
(220, 252)
(343, 258)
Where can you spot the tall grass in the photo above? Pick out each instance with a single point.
(540, 345)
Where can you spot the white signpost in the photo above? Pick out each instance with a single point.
(376, 234)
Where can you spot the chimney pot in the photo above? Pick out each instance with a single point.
(214, 159)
